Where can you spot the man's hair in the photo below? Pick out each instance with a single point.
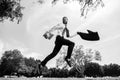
(65, 19)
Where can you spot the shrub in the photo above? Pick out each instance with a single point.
(93, 70)
(111, 70)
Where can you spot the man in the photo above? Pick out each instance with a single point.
(60, 41)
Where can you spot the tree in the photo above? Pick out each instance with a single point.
(33, 66)
(85, 5)
(23, 69)
(29, 67)
(10, 9)
(26, 68)
(79, 58)
(10, 62)
(30, 62)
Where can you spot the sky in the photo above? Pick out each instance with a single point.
(27, 36)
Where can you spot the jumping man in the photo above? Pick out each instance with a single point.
(60, 41)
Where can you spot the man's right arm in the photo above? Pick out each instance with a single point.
(57, 27)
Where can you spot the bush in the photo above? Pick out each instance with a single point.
(111, 70)
(93, 70)
(75, 73)
(54, 72)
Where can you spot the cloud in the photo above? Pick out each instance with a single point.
(12, 44)
(1, 47)
(35, 55)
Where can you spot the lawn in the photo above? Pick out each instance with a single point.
(23, 78)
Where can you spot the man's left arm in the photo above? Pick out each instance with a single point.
(70, 36)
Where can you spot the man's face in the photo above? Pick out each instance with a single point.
(65, 20)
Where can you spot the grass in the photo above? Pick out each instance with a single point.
(24, 78)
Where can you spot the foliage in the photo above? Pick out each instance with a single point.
(10, 61)
(57, 72)
(30, 62)
(10, 9)
(13, 62)
(23, 70)
(80, 57)
(111, 70)
(29, 67)
(85, 5)
(41, 1)
(93, 70)
(73, 72)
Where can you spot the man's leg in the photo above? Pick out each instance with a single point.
(53, 54)
(70, 49)
(70, 45)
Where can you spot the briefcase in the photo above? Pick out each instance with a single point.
(48, 35)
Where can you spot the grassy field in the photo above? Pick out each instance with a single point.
(23, 78)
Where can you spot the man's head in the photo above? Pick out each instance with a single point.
(65, 20)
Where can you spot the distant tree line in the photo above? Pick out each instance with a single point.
(91, 70)
(13, 63)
